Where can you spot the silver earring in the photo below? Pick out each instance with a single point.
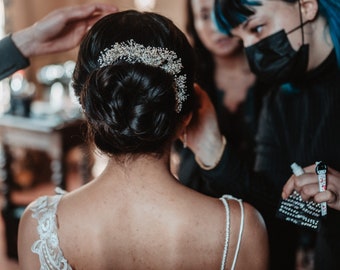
(185, 138)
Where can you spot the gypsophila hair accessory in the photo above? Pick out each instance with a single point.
(163, 58)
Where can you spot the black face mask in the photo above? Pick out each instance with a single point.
(273, 60)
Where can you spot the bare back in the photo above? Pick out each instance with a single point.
(171, 227)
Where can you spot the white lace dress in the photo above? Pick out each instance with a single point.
(47, 246)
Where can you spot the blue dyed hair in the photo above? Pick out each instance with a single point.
(230, 13)
(330, 9)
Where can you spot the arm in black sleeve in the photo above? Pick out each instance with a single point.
(262, 185)
(228, 177)
(11, 58)
(234, 177)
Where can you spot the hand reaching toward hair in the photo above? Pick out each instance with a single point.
(203, 134)
(60, 30)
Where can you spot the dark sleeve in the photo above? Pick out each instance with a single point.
(235, 177)
(272, 167)
(11, 58)
(226, 178)
(261, 185)
(230, 176)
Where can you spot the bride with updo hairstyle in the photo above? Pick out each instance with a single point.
(134, 110)
(130, 107)
(135, 82)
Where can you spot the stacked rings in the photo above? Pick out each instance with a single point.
(321, 171)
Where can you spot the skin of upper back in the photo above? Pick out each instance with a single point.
(174, 229)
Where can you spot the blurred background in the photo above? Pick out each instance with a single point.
(41, 131)
(17, 14)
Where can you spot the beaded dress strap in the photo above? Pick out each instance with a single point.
(225, 199)
(47, 246)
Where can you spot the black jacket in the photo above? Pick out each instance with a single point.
(11, 59)
(299, 123)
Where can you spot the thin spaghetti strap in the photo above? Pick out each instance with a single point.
(239, 235)
(227, 232)
(225, 250)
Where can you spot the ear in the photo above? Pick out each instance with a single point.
(185, 122)
(309, 9)
(181, 133)
(187, 119)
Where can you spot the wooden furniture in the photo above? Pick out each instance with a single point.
(48, 139)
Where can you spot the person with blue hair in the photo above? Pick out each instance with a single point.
(292, 46)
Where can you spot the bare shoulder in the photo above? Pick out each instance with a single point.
(254, 220)
(254, 240)
(27, 235)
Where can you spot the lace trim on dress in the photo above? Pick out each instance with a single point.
(224, 199)
(47, 247)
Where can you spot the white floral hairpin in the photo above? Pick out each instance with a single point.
(163, 58)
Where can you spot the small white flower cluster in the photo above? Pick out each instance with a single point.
(163, 58)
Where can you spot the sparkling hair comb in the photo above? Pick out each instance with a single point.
(163, 58)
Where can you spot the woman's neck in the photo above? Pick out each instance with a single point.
(234, 78)
(320, 42)
(143, 169)
(236, 61)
